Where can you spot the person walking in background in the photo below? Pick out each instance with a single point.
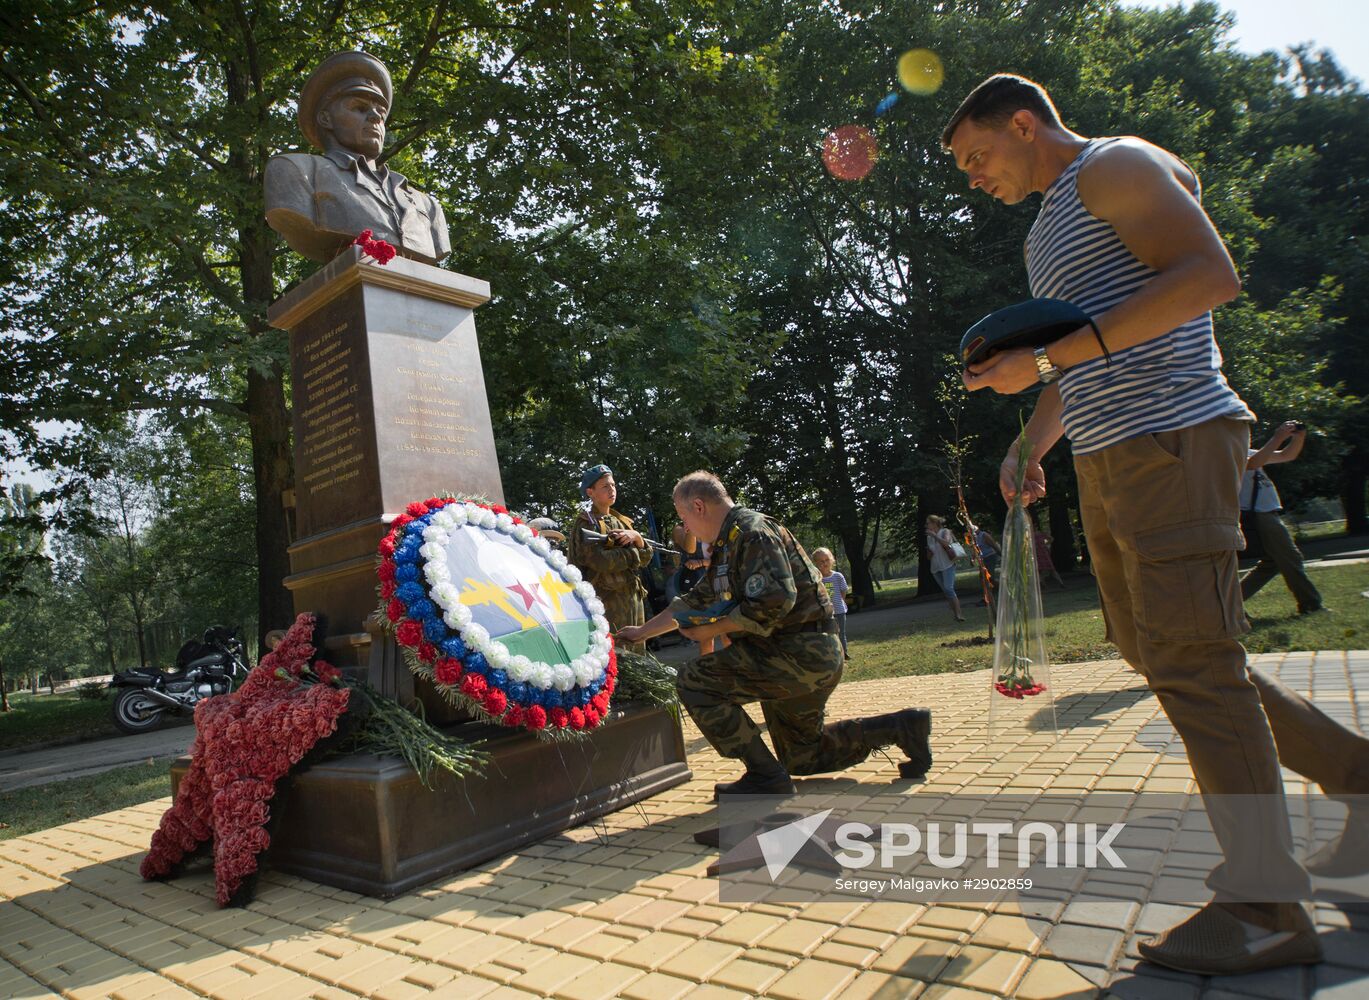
(1261, 507)
(836, 589)
(989, 553)
(942, 546)
(1045, 565)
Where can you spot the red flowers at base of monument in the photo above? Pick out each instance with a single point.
(1018, 691)
(378, 250)
(245, 743)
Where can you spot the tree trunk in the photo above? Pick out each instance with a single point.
(862, 583)
(268, 416)
(4, 698)
(925, 584)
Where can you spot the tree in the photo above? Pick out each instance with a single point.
(561, 138)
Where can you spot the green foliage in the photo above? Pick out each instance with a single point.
(677, 281)
(28, 810)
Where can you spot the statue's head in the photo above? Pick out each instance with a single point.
(345, 103)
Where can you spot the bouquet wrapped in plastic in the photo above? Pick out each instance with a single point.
(1020, 667)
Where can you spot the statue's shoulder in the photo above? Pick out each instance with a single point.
(304, 163)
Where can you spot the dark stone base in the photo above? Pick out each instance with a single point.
(366, 823)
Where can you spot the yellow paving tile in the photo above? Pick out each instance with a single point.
(701, 959)
(603, 981)
(657, 986)
(746, 975)
(812, 980)
(1051, 980)
(984, 969)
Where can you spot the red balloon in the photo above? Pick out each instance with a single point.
(849, 152)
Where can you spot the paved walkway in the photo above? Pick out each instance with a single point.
(624, 909)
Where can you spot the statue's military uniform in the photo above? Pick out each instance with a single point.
(614, 570)
(787, 656)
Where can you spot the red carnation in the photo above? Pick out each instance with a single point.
(427, 652)
(386, 571)
(514, 716)
(495, 702)
(416, 509)
(447, 671)
(387, 546)
(435, 503)
(536, 717)
(558, 717)
(592, 716)
(499, 508)
(395, 609)
(473, 686)
(387, 590)
(577, 719)
(401, 520)
(409, 633)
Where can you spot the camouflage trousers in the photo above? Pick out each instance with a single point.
(624, 608)
(792, 676)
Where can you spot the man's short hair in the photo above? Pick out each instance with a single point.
(701, 485)
(997, 99)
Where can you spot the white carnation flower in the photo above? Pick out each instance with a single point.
(595, 606)
(457, 512)
(437, 572)
(572, 573)
(522, 533)
(503, 524)
(443, 519)
(541, 675)
(487, 517)
(540, 545)
(582, 670)
(446, 595)
(585, 591)
(476, 637)
(519, 668)
(562, 677)
(557, 560)
(600, 622)
(498, 656)
(431, 551)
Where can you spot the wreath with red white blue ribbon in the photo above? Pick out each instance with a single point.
(498, 620)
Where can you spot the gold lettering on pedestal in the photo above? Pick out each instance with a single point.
(435, 412)
(326, 392)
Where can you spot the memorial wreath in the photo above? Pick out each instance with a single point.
(500, 622)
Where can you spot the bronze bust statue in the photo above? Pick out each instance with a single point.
(319, 204)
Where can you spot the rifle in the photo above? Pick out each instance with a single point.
(596, 538)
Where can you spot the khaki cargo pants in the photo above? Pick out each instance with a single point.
(1161, 518)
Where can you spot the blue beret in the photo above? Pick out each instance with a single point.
(593, 474)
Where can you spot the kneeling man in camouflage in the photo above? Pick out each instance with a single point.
(763, 592)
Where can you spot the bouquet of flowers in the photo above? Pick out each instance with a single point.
(1020, 646)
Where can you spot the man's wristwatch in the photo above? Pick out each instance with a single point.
(1045, 371)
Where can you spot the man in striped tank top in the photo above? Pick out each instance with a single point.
(1160, 442)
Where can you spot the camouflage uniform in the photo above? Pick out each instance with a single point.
(787, 657)
(615, 571)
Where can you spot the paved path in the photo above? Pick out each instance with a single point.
(19, 770)
(625, 908)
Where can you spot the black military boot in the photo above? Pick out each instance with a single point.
(764, 774)
(910, 730)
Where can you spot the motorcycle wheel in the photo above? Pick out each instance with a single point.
(135, 712)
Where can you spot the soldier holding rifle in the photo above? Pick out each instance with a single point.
(614, 564)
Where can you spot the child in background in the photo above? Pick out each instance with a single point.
(836, 590)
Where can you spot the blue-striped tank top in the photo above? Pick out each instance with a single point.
(1172, 381)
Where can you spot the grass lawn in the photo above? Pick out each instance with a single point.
(45, 717)
(1074, 627)
(28, 810)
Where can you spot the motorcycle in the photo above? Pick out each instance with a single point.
(204, 668)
